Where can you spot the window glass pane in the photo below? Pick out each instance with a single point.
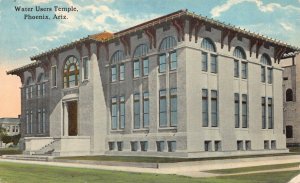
(270, 76)
(204, 61)
(114, 113)
(244, 111)
(136, 111)
(214, 108)
(136, 68)
(113, 73)
(173, 109)
(162, 63)
(270, 113)
(263, 112)
(214, 64)
(263, 74)
(237, 110)
(145, 67)
(173, 61)
(162, 109)
(244, 70)
(236, 68)
(146, 110)
(122, 72)
(204, 108)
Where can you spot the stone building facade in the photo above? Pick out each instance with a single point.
(11, 127)
(290, 102)
(180, 85)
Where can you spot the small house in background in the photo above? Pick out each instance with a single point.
(11, 126)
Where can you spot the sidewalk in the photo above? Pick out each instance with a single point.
(192, 169)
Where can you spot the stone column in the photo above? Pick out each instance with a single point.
(65, 119)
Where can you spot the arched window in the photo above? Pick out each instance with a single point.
(289, 131)
(29, 81)
(140, 50)
(289, 95)
(167, 43)
(71, 72)
(168, 56)
(115, 60)
(139, 59)
(117, 57)
(41, 85)
(208, 45)
(265, 62)
(239, 53)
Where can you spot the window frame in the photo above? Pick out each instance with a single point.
(85, 68)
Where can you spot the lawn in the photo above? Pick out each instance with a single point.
(254, 168)
(23, 173)
(163, 159)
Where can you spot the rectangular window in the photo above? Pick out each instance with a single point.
(144, 145)
(266, 144)
(114, 113)
(31, 91)
(213, 64)
(244, 111)
(207, 145)
(134, 146)
(214, 108)
(218, 146)
(38, 93)
(171, 146)
(122, 72)
(39, 121)
(27, 122)
(43, 121)
(270, 75)
(160, 146)
(162, 63)
(263, 74)
(136, 69)
(122, 112)
(27, 92)
(31, 122)
(237, 110)
(85, 68)
(43, 89)
(173, 60)
(145, 67)
(273, 144)
(248, 145)
(114, 73)
(137, 111)
(244, 70)
(54, 76)
(236, 68)
(13, 129)
(162, 108)
(111, 146)
(204, 108)
(204, 61)
(239, 144)
(270, 113)
(146, 109)
(263, 112)
(120, 146)
(173, 107)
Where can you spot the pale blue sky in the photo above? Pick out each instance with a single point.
(20, 39)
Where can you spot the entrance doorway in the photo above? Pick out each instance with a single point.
(72, 116)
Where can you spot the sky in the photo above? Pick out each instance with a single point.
(22, 38)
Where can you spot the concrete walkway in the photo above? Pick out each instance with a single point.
(192, 169)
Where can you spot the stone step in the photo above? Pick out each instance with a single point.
(27, 157)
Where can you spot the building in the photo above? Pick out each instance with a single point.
(11, 126)
(181, 85)
(290, 102)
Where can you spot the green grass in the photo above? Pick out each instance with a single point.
(8, 151)
(23, 173)
(162, 159)
(254, 168)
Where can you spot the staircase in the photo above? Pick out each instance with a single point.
(47, 149)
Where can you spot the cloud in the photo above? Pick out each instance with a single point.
(269, 7)
(36, 2)
(287, 26)
(32, 48)
(52, 37)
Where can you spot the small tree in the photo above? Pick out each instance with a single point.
(2, 132)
